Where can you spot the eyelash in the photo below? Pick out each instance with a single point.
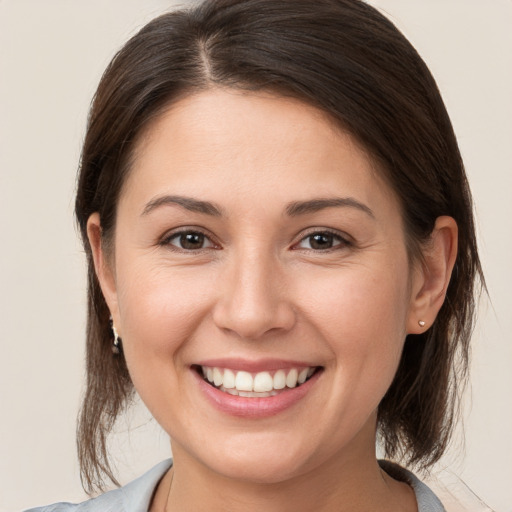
(166, 241)
(342, 241)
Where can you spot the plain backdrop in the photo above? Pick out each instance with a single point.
(52, 54)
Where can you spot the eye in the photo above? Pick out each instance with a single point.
(322, 241)
(189, 241)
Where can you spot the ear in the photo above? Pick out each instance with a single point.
(432, 276)
(103, 266)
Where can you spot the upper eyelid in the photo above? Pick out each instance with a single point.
(344, 240)
(187, 229)
(318, 230)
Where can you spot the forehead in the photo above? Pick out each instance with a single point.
(229, 143)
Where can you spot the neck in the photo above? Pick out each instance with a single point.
(345, 482)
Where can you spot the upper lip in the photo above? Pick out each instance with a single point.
(254, 365)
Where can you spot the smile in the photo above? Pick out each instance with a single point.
(256, 385)
(253, 390)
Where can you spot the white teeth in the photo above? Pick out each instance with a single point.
(217, 377)
(248, 394)
(291, 378)
(279, 379)
(263, 381)
(229, 379)
(261, 384)
(303, 375)
(243, 381)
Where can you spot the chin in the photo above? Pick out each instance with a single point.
(261, 461)
(261, 470)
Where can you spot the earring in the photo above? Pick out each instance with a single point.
(421, 323)
(116, 344)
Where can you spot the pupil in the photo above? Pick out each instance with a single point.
(321, 241)
(192, 240)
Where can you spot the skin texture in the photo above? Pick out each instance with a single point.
(259, 289)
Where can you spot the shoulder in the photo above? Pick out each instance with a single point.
(56, 507)
(427, 500)
(133, 497)
(109, 502)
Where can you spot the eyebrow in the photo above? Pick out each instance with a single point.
(193, 205)
(292, 209)
(314, 205)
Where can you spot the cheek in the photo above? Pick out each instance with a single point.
(159, 307)
(160, 310)
(359, 300)
(362, 316)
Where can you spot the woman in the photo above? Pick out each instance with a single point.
(282, 260)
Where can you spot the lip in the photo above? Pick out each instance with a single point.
(254, 407)
(254, 366)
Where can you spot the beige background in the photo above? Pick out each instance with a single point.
(52, 54)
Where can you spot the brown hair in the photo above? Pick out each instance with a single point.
(347, 59)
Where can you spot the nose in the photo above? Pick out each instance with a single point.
(253, 298)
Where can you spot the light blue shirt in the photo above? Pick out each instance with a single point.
(136, 496)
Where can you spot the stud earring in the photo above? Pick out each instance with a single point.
(116, 344)
(421, 323)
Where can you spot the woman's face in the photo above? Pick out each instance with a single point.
(255, 243)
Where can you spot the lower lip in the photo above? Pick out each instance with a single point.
(255, 407)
